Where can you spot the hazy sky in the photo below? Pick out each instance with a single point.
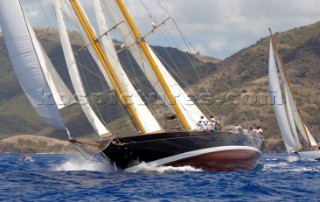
(216, 28)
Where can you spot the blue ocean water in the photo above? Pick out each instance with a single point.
(51, 177)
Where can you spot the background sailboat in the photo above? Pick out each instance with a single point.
(287, 113)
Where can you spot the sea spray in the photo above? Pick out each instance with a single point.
(82, 164)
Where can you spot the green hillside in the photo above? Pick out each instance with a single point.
(237, 86)
(17, 116)
(243, 76)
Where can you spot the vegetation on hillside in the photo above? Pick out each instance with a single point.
(236, 88)
(244, 75)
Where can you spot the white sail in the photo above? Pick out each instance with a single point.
(75, 75)
(288, 101)
(292, 110)
(311, 138)
(148, 121)
(70, 15)
(26, 63)
(190, 111)
(60, 92)
(279, 108)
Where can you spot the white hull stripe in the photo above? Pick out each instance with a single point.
(197, 153)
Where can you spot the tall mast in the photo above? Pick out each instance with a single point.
(290, 88)
(105, 62)
(143, 46)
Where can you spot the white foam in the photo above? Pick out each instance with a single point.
(83, 165)
(145, 168)
(293, 158)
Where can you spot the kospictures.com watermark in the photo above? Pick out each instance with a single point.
(98, 99)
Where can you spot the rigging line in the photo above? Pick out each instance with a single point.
(108, 31)
(179, 74)
(183, 37)
(98, 38)
(221, 113)
(147, 10)
(141, 85)
(89, 156)
(166, 33)
(142, 38)
(186, 43)
(138, 85)
(90, 71)
(165, 7)
(45, 13)
(103, 84)
(245, 118)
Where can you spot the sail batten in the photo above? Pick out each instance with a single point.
(76, 80)
(23, 52)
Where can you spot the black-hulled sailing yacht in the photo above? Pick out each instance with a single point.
(210, 151)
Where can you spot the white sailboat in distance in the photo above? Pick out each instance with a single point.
(287, 113)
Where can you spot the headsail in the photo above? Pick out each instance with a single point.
(24, 53)
(61, 94)
(75, 75)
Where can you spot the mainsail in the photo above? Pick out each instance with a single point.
(182, 103)
(118, 85)
(279, 108)
(34, 71)
(287, 113)
(75, 75)
(147, 119)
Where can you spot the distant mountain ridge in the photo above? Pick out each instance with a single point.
(229, 80)
(17, 116)
(246, 73)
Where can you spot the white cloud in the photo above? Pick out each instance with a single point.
(215, 27)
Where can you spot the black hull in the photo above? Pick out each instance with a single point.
(208, 151)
